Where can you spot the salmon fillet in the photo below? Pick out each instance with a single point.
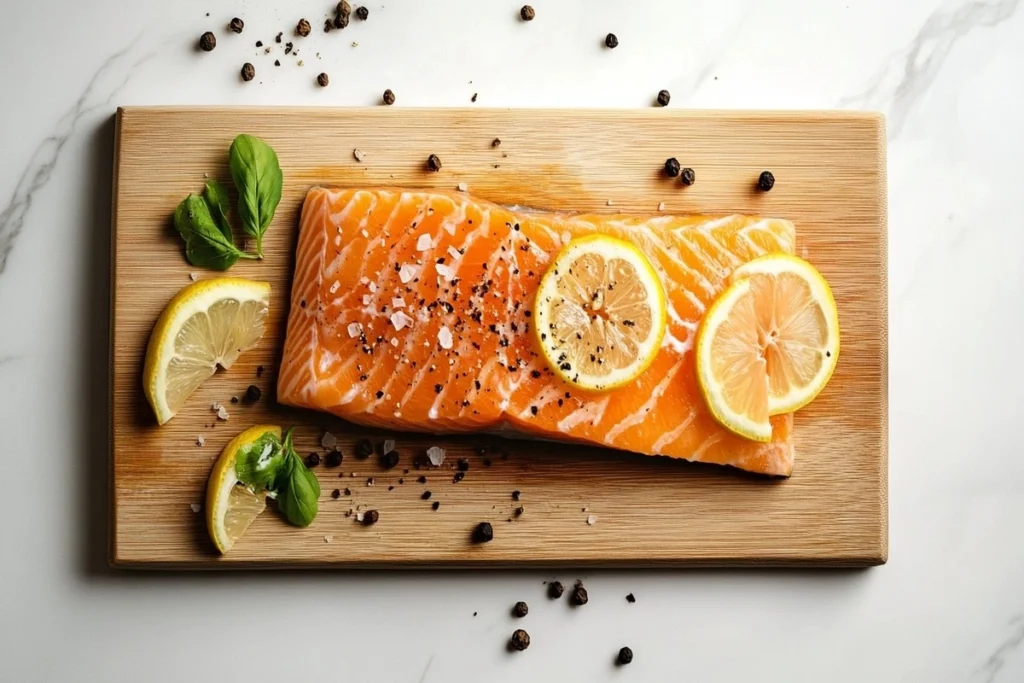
(411, 310)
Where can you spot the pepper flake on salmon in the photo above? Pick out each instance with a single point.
(412, 310)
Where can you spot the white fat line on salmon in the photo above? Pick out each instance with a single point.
(342, 258)
(590, 412)
(656, 246)
(638, 416)
(713, 263)
(709, 228)
(668, 438)
(312, 240)
(548, 394)
(341, 216)
(378, 240)
(304, 370)
(483, 376)
(762, 226)
(708, 443)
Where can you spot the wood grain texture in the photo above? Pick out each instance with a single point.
(830, 180)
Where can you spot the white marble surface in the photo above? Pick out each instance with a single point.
(949, 606)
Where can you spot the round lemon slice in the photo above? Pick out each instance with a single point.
(210, 323)
(768, 345)
(600, 313)
(231, 506)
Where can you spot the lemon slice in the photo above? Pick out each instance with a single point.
(768, 345)
(600, 313)
(230, 505)
(207, 324)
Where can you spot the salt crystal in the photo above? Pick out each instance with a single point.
(400, 320)
(365, 233)
(444, 338)
(354, 329)
(193, 276)
(453, 252)
(335, 286)
(358, 154)
(592, 520)
(445, 272)
(394, 342)
(389, 445)
(462, 187)
(366, 299)
(661, 206)
(609, 202)
(328, 441)
(398, 302)
(359, 516)
(424, 242)
(364, 280)
(196, 507)
(436, 455)
(407, 273)
(222, 413)
(372, 286)
(200, 440)
(449, 227)
(328, 538)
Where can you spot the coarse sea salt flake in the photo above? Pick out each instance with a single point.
(592, 520)
(328, 441)
(200, 440)
(444, 338)
(453, 252)
(335, 286)
(389, 445)
(398, 302)
(449, 227)
(394, 342)
(407, 273)
(222, 413)
(445, 272)
(436, 455)
(424, 242)
(400, 320)
(366, 299)
(196, 507)
(354, 329)
(372, 286)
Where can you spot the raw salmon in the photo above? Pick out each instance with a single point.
(411, 310)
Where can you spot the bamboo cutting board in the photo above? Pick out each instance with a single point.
(830, 180)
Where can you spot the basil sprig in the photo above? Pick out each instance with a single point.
(257, 175)
(273, 465)
(202, 220)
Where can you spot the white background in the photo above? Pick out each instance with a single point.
(949, 606)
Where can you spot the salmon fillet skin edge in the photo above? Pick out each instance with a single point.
(411, 310)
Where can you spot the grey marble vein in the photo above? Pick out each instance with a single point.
(995, 662)
(898, 86)
(47, 155)
(426, 669)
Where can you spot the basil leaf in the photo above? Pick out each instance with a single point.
(299, 498)
(259, 464)
(205, 245)
(218, 201)
(257, 175)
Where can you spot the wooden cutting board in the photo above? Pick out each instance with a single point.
(830, 180)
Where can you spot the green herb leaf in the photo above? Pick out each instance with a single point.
(218, 201)
(205, 245)
(257, 175)
(299, 496)
(260, 464)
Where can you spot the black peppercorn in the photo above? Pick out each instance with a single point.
(494, 143)
(579, 595)
(303, 28)
(463, 465)
(625, 656)
(611, 41)
(248, 72)
(277, 38)
(515, 495)
(671, 167)
(236, 25)
(364, 449)
(630, 599)
(518, 512)
(259, 371)
(333, 458)
(425, 495)
(341, 14)
(277, 62)
(389, 97)
(555, 590)
(252, 393)
(687, 176)
(389, 460)
(520, 640)
(370, 517)
(766, 181)
(336, 493)
(328, 25)
(520, 610)
(436, 504)
(259, 43)
(312, 460)
(207, 41)
(459, 476)
(483, 533)
(527, 13)
(664, 97)
(362, 13)
(422, 480)
(433, 163)
(323, 80)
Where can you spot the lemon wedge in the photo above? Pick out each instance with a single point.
(600, 313)
(231, 506)
(207, 324)
(768, 345)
